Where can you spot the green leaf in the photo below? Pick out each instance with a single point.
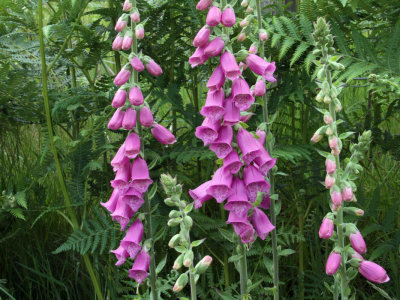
(234, 258)
(197, 243)
(227, 234)
(188, 208)
(153, 191)
(21, 199)
(380, 291)
(161, 264)
(345, 135)
(180, 249)
(286, 252)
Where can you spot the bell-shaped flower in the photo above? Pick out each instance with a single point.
(139, 31)
(132, 145)
(198, 57)
(248, 145)
(232, 112)
(330, 166)
(232, 162)
(129, 121)
(241, 94)
(115, 122)
(213, 16)
(220, 187)
(264, 162)
(326, 228)
(163, 135)
(336, 198)
(120, 254)
(208, 131)
(269, 72)
(261, 223)
(136, 96)
(146, 117)
(140, 175)
(347, 193)
(333, 263)
(122, 177)
(230, 66)
(214, 107)
(214, 48)
(140, 267)
(222, 145)
(119, 98)
(228, 18)
(136, 64)
(122, 77)
(117, 43)
(133, 199)
(202, 37)
(260, 88)
(238, 202)
(329, 181)
(358, 243)
(217, 79)
(373, 272)
(203, 4)
(254, 182)
(128, 40)
(132, 238)
(153, 68)
(200, 195)
(242, 227)
(111, 204)
(121, 23)
(265, 202)
(122, 214)
(119, 160)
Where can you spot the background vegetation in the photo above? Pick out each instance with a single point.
(40, 253)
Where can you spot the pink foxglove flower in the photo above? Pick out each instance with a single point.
(232, 112)
(220, 187)
(373, 272)
(263, 35)
(115, 122)
(136, 96)
(128, 40)
(140, 267)
(217, 79)
(121, 23)
(358, 243)
(269, 72)
(132, 145)
(222, 145)
(255, 182)
(213, 16)
(264, 162)
(260, 88)
(121, 255)
(241, 94)
(163, 135)
(326, 229)
(136, 64)
(117, 43)
(198, 57)
(133, 198)
(347, 193)
(330, 166)
(214, 107)
(111, 204)
(140, 175)
(238, 201)
(253, 49)
(200, 194)
(135, 17)
(248, 145)
(208, 131)
(230, 66)
(242, 36)
(122, 177)
(146, 117)
(132, 239)
(333, 263)
(242, 227)
(232, 162)
(122, 214)
(336, 198)
(214, 48)
(228, 18)
(202, 37)
(119, 160)
(122, 77)
(139, 32)
(153, 68)
(119, 98)
(127, 5)
(203, 4)
(129, 121)
(261, 223)
(329, 181)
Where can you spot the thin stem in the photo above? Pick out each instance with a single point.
(243, 271)
(59, 172)
(271, 176)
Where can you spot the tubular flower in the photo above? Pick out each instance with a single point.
(333, 263)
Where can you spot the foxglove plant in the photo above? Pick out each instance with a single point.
(181, 241)
(242, 178)
(132, 178)
(340, 180)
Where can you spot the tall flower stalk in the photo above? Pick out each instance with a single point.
(345, 257)
(241, 178)
(132, 177)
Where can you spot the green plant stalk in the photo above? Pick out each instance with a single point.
(243, 271)
(271, 176)
(60, 176)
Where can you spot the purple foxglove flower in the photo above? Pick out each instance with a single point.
(261, 134)
(254, 182)
(232, 162)
(214, 16)
(329, 181)
(119, 98)
(202, 37)
(119, 160)
(257, 64)
(347, 193)
(139, 31)
(127, 5)
(135, 16)
(153, 68)
(121, 23)
(140, 175)
(200, 194)
(136, 64)
(261, 223)
(243, 66)
(358, 243)
(136, 96)
(336, 198)
(228, 18)
(122, 77)
(241, 94)
(326, 229)
(121, 180)
(208, 131)
(133, 199)
(266, 202)
(232, 113)
(248, 145)
(253, 49)
(330, 166)
(220, 187)
(111, 204)
(121, 255)
(217, 79)
(163, 135)
(117, 43)
(203, 4)
(122, 214)
(146, 117)
(132, 238)
(230, 66)
(264, 161)
(140, 267)
(333, 263)
(242, 227)
(373, 272)
(198, 57)
(129, 121)
(214, 48)
(127, 42)
(132, 145)
(269, 72)
(214, 107)
(115, 122)
(238, 202)
(222, 145)
(245, 117)
(260, 88)
(357, 255)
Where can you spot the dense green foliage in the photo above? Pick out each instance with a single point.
(41, 253)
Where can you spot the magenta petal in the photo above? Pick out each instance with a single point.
(132, 145)
(133, 199)
(200, 194)
(214, 48)
(333, 263)
(232, 162)
(217, 79)
(122, 214)
(120, 254)
(255, 182)
(163, 135)
(241, 94)
(238, 201)
(146, 117)
(230, 66)
(373, 272)
(140, 175)
(202, 37)
(213, 16)
(132, 239)
(242, 227)
(208, 131)
(261, 223)
(232, 112)
(140, 267)
(129, 121)
(121, 180)
(119, 159)
(119, 98)
(136, 96)
(220, 187)
(248, 145)
(111, 204)
(214, 107)
(115, 122)
(198, 57)
(222, 145)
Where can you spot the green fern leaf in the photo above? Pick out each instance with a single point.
(286, 45)
(301, 48)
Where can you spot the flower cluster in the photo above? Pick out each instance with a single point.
(339, 180)
(226, 110)
(132, 177)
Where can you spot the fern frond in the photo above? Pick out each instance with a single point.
(301, 48)
(286, 45)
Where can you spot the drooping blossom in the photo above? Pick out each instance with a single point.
(140, 266)
(326, 229)
(373, 272)
(333, 263)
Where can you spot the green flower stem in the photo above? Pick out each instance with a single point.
(59, 172)
(243, 271)
(268, 142)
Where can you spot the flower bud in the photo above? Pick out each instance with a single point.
(333, 263)
(329, 181)
(203, 265)
(354, 210)
(373, 272)
(330, 166)
(328, 118)
(358, 243)
(327, 99)
(242, 36)
(316, 137)
(188, 258)
(169, 202)
(347, 193)
(253, 49)
(174, 222)
(336, 198)
(174, 214)
(181, 283)
(249, 9)
(174, 241)
(187, 220)
(178, 262)
(263, 35)
(127, 5)
(244, 23)
(244, 3)
(326, 229)
(135, 16)
(139, 32)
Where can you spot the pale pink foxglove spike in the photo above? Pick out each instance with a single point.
(121, 23)
(140, 175)
(214, 48)
(136, 96)
(330, 166)
(373, 272)
(127, 5)
(117, 43)
(133, 198)
(333, 263)
(222, 145)
(132, 145)
(214, 107)
(115, 122)
(203, 4)
(228, 18)
(336, 198)
(248, 145)
(135, 16)
(254, 182)
(200, 195)
(122, 214)
(153, 68)
(232, 112)
(202, 37)
(122, 77)
(232, 162)
(261, 223)
(140, 267)
(136, 64)
(139, 32)
(326, 228)
(208, 131)
(111, 204)
(146, 117)
(132, 238)
(230, 66)
(121, 255)
(260, 88)
(220, 187)
(358, 243)
(347, 193)
(329, 181)
(129, 121)
(128, 40)
(119, 160)
(241, 94)
(242, 227)
(122, 177)
(119, 98)
(163, 135)
(217, 79)
(238, 201)
(198, 57)
(213, 16)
